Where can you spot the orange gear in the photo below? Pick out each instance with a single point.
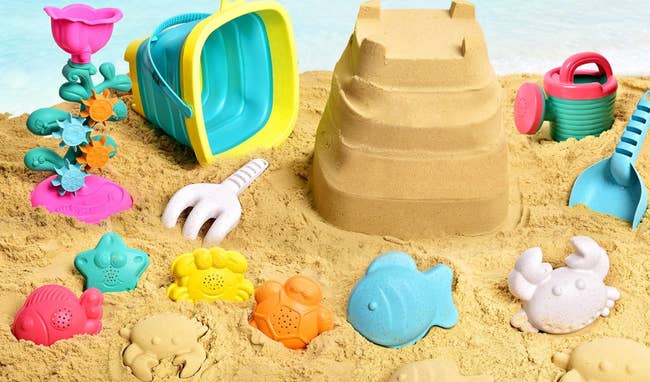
(99, 107)
(291, 313)
(95, 154)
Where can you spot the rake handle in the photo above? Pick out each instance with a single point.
(242, 178)
(629, 145)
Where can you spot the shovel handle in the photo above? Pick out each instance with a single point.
(629, 145)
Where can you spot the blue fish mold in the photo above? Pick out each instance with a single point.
(395, 305)
(112, 266)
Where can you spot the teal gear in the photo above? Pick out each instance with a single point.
(69, 178)
(73, 132)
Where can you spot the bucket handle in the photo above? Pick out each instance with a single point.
(569, 67)
(629, 146)
(149, 63)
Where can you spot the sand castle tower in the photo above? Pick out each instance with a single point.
(411, 141)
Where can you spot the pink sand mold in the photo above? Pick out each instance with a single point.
(53, 312)
(98, 200)
(82, 30)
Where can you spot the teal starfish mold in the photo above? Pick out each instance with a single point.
(69, 178)
(72, 132)
(112, 266)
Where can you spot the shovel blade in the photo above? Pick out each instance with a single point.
(596, 188)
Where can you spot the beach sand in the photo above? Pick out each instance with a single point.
(281, 235)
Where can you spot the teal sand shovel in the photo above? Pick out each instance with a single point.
(613, 185)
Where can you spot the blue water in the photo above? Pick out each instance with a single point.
(523, 36)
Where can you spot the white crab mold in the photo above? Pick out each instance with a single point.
(565, 299)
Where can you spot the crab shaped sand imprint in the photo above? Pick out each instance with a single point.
(161, 336)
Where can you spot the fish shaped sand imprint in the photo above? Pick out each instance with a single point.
(606, 360)
(566, 299)
(433, 371)
(395, 304)
(53, 312)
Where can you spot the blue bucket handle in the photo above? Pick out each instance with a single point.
(629, 146)
(149, 63)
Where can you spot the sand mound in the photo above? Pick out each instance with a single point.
(411, 142)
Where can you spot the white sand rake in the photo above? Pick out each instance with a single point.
(212, 201)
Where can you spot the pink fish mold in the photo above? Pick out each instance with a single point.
(53, 312)
(97, 200)
(82, 30)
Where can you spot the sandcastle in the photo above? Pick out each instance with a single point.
(411, 141)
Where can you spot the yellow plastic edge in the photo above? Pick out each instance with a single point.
(285, 81)
(131, 56)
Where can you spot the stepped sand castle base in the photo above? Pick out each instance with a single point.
(411, 141)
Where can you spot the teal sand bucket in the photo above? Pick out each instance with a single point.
(577, 103)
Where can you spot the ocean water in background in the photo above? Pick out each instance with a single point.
(523, 36)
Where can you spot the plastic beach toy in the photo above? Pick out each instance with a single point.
(432, 371)
(210, 275)
(112, 266)
(212, 201)
(224, 84)
(82, 30)
(566, 299)
(52, 313)
(613, 185)
(578, 103)
(395, 305)
(606, 360)
(291, 313)
(97, 200)
(161, 336)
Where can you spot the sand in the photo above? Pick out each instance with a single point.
(281, 235)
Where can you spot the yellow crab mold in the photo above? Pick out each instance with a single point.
(210, 275)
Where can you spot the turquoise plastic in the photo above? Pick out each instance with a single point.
(613, 186)
(112, 266)
(395, 304)
(579, 118)
(69, 178)
(237, 77)
(79, 86)
(43, 159)
(73, 132)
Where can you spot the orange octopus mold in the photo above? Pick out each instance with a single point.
(437, 166)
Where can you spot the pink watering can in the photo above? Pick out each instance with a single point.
(82, 30)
